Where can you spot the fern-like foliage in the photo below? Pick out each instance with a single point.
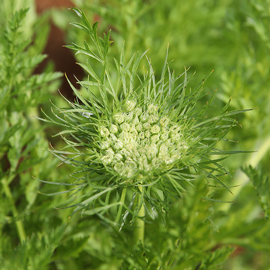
(35, 253)
(21, 135)
(261, 183)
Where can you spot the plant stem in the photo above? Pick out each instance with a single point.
(241, 178)
(122, 200)
(139, 223)
(19, 223)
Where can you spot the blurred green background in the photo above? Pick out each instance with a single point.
(231, 37)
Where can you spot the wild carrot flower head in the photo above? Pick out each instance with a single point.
(136, 134)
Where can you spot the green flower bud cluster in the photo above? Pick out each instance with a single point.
(140, 141)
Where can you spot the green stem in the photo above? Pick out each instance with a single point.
(139, 223)
(131, 28)
(122, 200)
(19, 223)
(241, 178)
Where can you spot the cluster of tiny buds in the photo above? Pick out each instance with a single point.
(140, 141)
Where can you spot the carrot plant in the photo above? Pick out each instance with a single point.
(151, 172)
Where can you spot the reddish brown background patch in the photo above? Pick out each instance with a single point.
(62, 57)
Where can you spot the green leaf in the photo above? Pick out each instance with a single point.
(215, 259)
(261, 183)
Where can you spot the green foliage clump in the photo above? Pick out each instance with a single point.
(137, 136)
(22, 138)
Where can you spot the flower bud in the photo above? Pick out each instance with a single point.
(144, 117)
(133, 130)
(131, 164)
(156, 163)
(106, 160)
(152, 109)
(152, 151)
(168, 160)
(127, 172)
(138, 111)
(123, 135)
(139, 127)
(125, 126)
(164, 136)
(141, 135)
(164, 121)
(104, 132)
(113, 129)
(155, 138)
(155, 129)
(146, 125)
(145, 143)
(129, 116)
(153, 118)
(109, 152)
(118, 157)
(104, 144)
(136, 120)
(147, 134)
(118, 145)
(113, 137)
(130, 105)
(119, 118)
(119, 167)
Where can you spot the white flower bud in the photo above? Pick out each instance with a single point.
(174, 136)
(152, 151)
(118, 145)
(130, 105)
(113, 129)
(141, 135)
(155, 129)
(109, 152)
(152, 109)
(147, 134)
(124, 152)
(163, 149)
(118, 157)
(129, 116)
(131, 145)
(153, 118)
(123, 135)
(127, 172)
(131, 164)
(168, 142)
(136, 121)
(146, 125)
(133, 130)
(106, 160)
(105, 144)
(119, 167)
(104, 132)
(139, 127)
(164, 136)
(168, 160)
(154, 138)
(143, 163)
(138, 111)
(125, 126)
(113, 137)
(144, 117)
(119, 118)
(164, 121)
